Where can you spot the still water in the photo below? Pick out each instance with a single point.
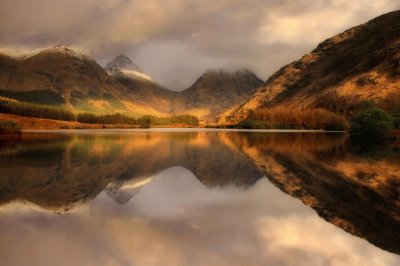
(198, 198)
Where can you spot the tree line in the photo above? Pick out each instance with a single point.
(143, 121)
(284, 118)
(12, 106)
(90, 118)
(15, 107)
(368, 120)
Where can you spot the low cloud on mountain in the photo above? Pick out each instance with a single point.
(176, 40)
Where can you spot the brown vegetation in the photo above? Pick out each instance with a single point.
(42, 123)
(49, 124)
(359, 64)
(350, 104)
(280, 117)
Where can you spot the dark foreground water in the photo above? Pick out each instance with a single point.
(198, 198)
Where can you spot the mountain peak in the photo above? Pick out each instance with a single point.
(223, 75)
(122, 66)
(123, 57)
(225, 72)
(61, 50)
(122, 61)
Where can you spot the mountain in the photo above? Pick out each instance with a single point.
(212, 93)
(141, 89)
(122, 66)
(154, 99)
(60, 76)
(63, 76)
(362, 63)
(215, 91)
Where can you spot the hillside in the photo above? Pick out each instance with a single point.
(62, 76)
(216, 91)
(212, 93)
(140, 88)
(59, 76)
(362, 63)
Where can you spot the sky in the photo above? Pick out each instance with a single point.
(175, 41)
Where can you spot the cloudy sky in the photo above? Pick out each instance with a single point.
(176, 40)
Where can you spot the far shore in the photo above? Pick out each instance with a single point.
(34, 123)
(41, 125)
(170, 129)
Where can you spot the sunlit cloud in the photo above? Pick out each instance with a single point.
(319, 21)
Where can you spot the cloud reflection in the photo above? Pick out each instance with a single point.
(175, 220)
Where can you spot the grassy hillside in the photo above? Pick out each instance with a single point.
(362, 63)
(63, 77)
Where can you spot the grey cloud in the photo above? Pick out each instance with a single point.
(177, 40)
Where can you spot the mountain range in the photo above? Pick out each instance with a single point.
(63, 76)
(362, 63)
(212, 93)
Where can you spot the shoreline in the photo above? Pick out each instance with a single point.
(42, 125)
(172, 130)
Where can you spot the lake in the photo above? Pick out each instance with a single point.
(198, 197)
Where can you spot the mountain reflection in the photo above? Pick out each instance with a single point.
(351, 185)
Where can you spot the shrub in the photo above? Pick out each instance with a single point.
(287, 126)
(171, 120)
(145, 122)
(246, 124)
(335, 126)
(253, 124)
(336, 103)
(184, 119)
(371, 123)
(88, 118)
(175, 119)
(396, 119)
(284, 118)
(91, 118)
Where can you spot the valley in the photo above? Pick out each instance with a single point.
(332, 83)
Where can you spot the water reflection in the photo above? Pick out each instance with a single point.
(199, 198)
